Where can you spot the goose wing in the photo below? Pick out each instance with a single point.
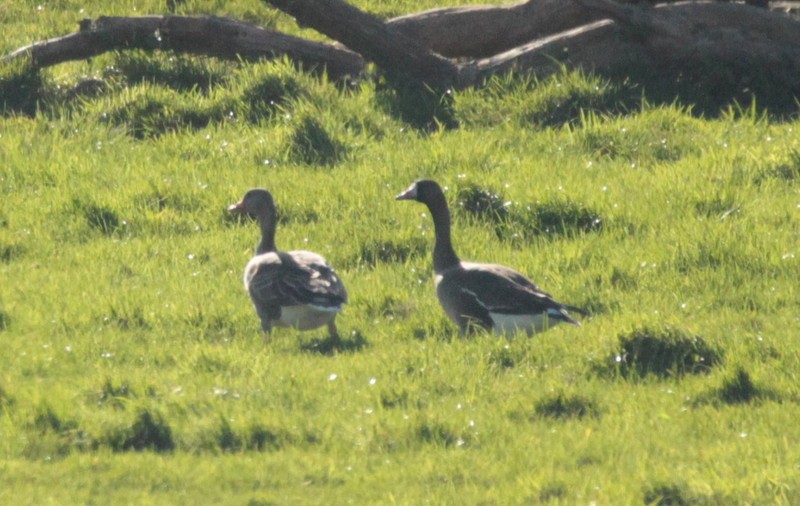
(294, 278)
(505, 291)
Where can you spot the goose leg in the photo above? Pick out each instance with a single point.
(334, 332)
(266, 331)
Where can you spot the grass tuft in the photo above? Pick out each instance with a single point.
(670, 495)
(114, 395)
(507, 357)
(552, 492)
(661, 352)
(126, 318)
(394, 398)
(484, 204)
(5, 320)
(439, 434)
(47, 420)
(99, 217)
(786, 172)
(6, 400)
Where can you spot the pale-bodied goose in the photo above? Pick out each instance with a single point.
(491, 296)
(289, 289)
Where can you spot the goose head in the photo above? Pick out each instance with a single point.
(257, 203)
(426, 191)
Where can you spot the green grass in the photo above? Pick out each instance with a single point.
(133, 370)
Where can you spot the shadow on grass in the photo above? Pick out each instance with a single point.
(563, 407)
(331, 346)
(148, 432)
(23, 89)
(735, 390)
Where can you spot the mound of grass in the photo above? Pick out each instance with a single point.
(556, 100)
(268, 94)
(661, 352)
(174, 71)
(661, 135)
(423, 108)
(483, 203)
(558, 217)
(150, 111)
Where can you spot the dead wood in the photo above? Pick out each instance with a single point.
(462, 46)
(211, 36)
(369, 36)
(486, 30)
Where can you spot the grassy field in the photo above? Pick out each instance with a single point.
(133, 370)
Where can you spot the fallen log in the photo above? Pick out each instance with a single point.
(462, 46)
(210, 36)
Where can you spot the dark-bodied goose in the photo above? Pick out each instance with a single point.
(491, 296)
(289, 289)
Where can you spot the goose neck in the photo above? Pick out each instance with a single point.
(267, 244)
(444, 256)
